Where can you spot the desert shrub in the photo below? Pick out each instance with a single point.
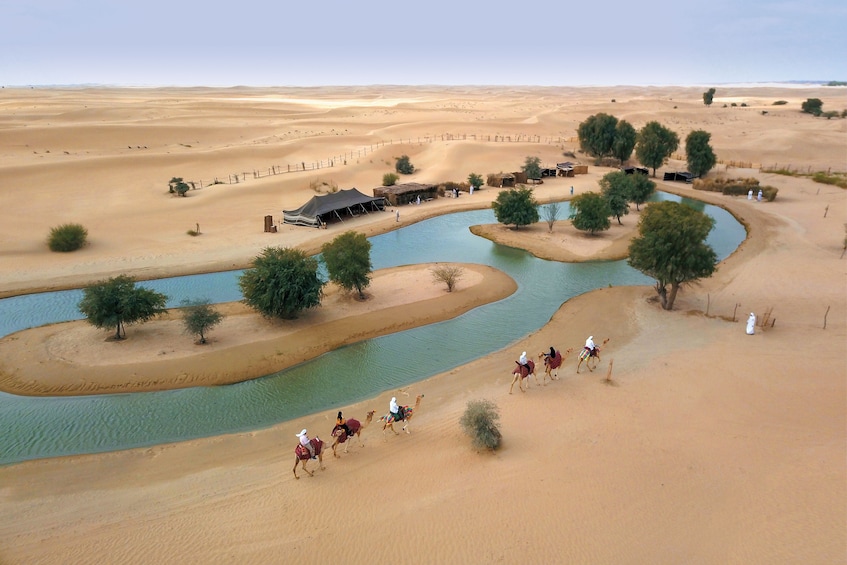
(404, 166)
(736, 187)
(733, 104)
(780, 103)
(831, 114)
(389, 179)
(812, 106)
(447, 274)
(67, 237)
(827, 178)
(481, 421)
(744, 104)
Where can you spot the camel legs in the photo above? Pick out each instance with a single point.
(518, 380)
(297, 462)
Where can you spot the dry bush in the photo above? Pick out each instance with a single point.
(481, 422)
(735, 187)
(447, 274)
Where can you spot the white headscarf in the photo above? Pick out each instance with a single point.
(302, 433)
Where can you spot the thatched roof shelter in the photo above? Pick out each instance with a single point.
(406, 193)
(500, 180)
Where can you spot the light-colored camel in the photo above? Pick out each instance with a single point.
(406, 412)
(552, 364)
(355, 427)
(587, 356)
(302, 454)
(520, 373)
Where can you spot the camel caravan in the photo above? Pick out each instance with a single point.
(553, 360)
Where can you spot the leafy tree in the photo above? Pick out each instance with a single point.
(812, 106)
(481, 421)
(590, 212)
(616, 189)
(708, 96)
(699, 153)
(640, 189)
(655, 144)
(282, 282)
(178, 186)
(475, 180)
(671, 247)
(67, 237)
(348, 261)
(198, 317)
(597, 135)
(551, 214)
(516, 206)
(389, 179)
(115, 302)
(532, 168)
(404, 166)
(624, 143)
(447, 274)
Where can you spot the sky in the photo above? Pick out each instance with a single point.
(428, 42)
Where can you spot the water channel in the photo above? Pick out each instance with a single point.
(35, 427)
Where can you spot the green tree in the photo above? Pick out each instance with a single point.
(516, 206)
(616, 188)
(199, 317)
(812, 106)
(708, 96)
(348, 261)
(597, 135)
(624, 143)
(67, 237)
(671, 247)
(481, 421)
(115, 302)
(532, 168)
(475, 180)
(699, 153)
(655, 144)
(178, 186)
(404, 166)
(389, 179)
(590, 212)
(641, 189)
(282, 282)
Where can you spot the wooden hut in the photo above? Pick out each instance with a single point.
(499, 180)
(400, 194)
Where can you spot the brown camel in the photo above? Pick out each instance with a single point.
(406, 413)
(302, 454)
(587, 356)
(355, 427)
(552, 364)
(520, 373)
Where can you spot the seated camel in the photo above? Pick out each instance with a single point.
(520, 373)
(552, 363)
(302, 454)
(406, 413)
(355, 427)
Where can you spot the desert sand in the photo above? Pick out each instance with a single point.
(691, 442)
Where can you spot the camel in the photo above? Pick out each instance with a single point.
(406, 413)
(355, 427)
(302, 454)
(587, 356)
(552, 364)
(520, 373)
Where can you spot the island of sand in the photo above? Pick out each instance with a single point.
(692, 441)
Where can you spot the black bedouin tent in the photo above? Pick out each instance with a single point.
(319, 209)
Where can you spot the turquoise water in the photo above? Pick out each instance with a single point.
(47, 427)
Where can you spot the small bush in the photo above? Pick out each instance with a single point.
(481, 422)
(733, 104)
(67, 237)
(447, 274)
(744, 104)
(839, 180)
(389, 179)
(404, 166)
(780, 103)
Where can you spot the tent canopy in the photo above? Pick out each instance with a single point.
(322, 208)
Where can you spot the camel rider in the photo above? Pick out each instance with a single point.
(306, 442)
(589, 344)
(395, 410)
(524, 362)
(342, 423)
(552, 354)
